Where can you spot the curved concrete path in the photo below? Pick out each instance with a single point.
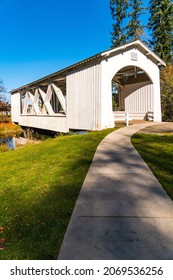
(122, 211)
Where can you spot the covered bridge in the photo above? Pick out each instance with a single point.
(95, 93)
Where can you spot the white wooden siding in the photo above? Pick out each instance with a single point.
(83, 99)
(138, 97)
(15, 107)
(54, 123)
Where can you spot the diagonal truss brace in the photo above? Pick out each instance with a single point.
(46, 97)
(60, 97)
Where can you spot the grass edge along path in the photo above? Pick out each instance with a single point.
(39, 185)
(157, 152)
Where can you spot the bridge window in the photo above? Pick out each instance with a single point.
(47, 101)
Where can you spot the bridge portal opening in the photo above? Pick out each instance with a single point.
(132, 92)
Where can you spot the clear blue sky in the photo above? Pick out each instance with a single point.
(39, 37)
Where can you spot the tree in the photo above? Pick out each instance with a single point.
(135, 27)
(119, 13)
(2, 91)
(161, 27)
(167, 92)
(5, 107)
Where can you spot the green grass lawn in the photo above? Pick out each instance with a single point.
(157, 151)
(39, 185)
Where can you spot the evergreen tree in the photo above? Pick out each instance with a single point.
(119, 13)
(161, 27)
(135, 27)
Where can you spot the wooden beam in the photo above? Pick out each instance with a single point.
(34, 98)
(46, 100)
(60, 97)
(25, 105)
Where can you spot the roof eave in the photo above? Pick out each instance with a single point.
(96, 57)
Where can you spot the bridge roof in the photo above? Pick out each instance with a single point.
(61, 74)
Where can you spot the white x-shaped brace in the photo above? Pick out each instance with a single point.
(46, 97)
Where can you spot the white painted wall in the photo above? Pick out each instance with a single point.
(83, 99)
(138, 97)
(15, 107)
(54, 123)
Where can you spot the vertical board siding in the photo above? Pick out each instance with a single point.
(15, 107)
(83, 99)
(139, 97)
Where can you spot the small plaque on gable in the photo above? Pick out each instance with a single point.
(134, 56)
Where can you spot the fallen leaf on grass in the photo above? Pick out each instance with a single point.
(2, 240)
(2, 247)
(1, 229)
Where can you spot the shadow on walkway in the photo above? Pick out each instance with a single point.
(122, 211)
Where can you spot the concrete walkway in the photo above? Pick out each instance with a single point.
(122, 211)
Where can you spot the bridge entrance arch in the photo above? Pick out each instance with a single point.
(132, 94)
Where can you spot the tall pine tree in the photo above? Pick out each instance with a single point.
(161, 28)
(119, 13)
(135, 27)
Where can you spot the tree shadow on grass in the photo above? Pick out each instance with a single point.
(122, 213)
(157, 151)
(34, 228)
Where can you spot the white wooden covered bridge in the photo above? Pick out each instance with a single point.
(94, 93)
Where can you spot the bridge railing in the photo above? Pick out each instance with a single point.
(127, 117)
